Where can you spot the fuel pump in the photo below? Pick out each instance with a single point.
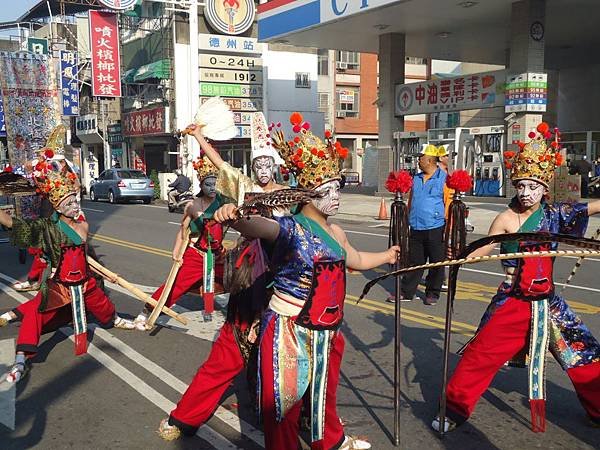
(408, 146)
(460, 147)
(489, 148)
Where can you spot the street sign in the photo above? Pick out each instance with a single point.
(230, 90)
(37, 45)
(230, 62)
(69, 88)
(231, 76)
(240, 104)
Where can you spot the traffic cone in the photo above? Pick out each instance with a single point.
(382, 211)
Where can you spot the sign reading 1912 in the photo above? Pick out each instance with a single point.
(230, 62)
(231, 76)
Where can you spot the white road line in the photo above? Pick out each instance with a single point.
(366, 234)
(92, 209)
(174, 223)
(155, 206)
(7, 390)
(205, 432)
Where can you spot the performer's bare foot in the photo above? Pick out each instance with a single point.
(123, 324)
(25, 286)
(141, 321)
(355, 443)
(6, 318)
(168, 432)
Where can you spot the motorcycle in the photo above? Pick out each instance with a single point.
(182, 200)
(594, 186)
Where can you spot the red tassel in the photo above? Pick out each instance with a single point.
(81, 344)
(209, 302)
(538, 415)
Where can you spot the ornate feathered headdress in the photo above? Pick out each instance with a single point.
(536, 159)
(204, 168)
(312, 161)
(55, 145)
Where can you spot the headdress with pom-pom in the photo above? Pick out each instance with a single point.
(311, 160)
(55, 180)
(204, 168)
(536, 159)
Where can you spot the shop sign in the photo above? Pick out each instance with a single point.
(516, 133)
(475, 91)
(231, 76)
(145, 122)
(114, 134)
(228, 44)
(119, 4)
(138, 159)
(230, 62)
(230, 16)
(240, 104)
(69, 88)
(230, 90)
(527, 92)
(105, 58)
(2, 122)
(38, 46)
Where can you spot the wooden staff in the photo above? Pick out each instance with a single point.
(172, 273)
(142, 296)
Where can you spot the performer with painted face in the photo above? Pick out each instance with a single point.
(301, 346)
(236, 345)
(68, 291)
(527, 317)
(202, 259)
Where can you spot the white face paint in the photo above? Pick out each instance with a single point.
(530, 192)
(263, 168)
(330, 202)
(209, 187)
(70, 207)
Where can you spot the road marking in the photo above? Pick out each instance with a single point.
(92, 209)
(175, 223)
(204, 432)
(7, 390)
(155, 206)
(366, 234)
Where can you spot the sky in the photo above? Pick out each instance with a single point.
(12, 9)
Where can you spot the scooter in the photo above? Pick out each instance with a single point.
(182, 200)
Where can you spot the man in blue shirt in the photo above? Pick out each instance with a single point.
(427, 221)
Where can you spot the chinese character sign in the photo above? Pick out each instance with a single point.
(69, 88)
(146, 122)
(475, 91)
(106, 65)
(527, 92)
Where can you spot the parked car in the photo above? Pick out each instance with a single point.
(122, 185)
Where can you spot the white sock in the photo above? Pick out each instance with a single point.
(20, 358)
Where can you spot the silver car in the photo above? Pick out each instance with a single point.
(122, 185)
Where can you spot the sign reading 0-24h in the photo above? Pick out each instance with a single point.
(230, 16)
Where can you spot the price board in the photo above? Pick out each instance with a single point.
(230, 90)
(230, 62)
(240, 104)
(231, 76)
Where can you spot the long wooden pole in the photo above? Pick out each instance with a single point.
(578, 264)
(172, 273)
(138, 293)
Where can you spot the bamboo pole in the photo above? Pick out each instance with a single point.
(138, 293)
(172, 273)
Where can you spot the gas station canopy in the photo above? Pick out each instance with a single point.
(468, 31)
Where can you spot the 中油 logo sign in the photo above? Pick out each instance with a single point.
(230, 16)
(118, 4)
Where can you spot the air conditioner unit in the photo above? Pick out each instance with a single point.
(341, 114)
(341, 65)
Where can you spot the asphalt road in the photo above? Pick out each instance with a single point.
(115, 396)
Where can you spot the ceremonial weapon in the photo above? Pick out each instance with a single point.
(172, 273)
(138, 293)
(577, 265)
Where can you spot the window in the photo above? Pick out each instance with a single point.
(303, 80)
(323, 68)
(414, 60)
(347, 60)
(347, 101)
(324, 102)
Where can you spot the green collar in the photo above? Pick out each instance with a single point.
(316, 229)
(66, 229)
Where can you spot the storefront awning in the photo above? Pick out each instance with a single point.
(158, 69)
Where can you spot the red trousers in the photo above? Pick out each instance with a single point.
(284, 435)
(501, 338)
(35, 323)
(211, 381)
(37, 266)
(189, 276)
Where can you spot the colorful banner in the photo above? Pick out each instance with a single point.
(106, 61)
(69, 88)
(146, 122)
(31, 108)
(475, 91)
